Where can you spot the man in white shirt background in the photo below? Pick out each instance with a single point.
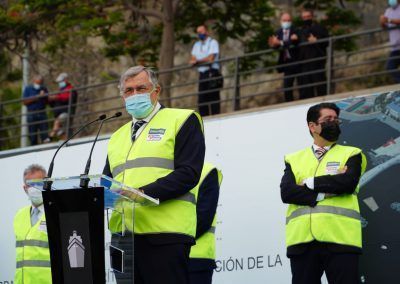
(205, 53)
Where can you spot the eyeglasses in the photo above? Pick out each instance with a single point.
(330, 119)
(141, 89)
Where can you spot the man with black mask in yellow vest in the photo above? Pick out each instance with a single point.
(202, 255)
(323, 222)
(32, 247)
(161, 153)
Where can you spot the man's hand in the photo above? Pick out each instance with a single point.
(384, 20)
(294, 37)
(312, 38)
(192, 61)
(273, 41)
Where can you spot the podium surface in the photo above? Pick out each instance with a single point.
(87, 228)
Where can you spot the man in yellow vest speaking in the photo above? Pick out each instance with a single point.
(323, 222)
(160, 152)
(32, 247)
(202, 255)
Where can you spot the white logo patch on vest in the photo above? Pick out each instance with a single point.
(332, 168)
(155, 134)
(42, 226)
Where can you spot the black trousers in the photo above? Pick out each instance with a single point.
(318, 79)
(201, 277)
(309, 266)
(154, 263)
(289, 76)
(208, 101)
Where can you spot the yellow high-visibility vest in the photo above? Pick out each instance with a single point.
(333, 220)
(149, 158)
(32, 249)
(205, 244)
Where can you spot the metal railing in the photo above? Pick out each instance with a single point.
(243, 87)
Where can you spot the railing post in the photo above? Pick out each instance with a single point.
(236, 99)
(329, 67)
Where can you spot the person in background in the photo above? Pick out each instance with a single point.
(32, 247)
(202, 255)
(323, 222)
(161, 153)
(313, 82)
(204, 53)
(285, 39)
(391, 19)
(35, 100)
(60, 104)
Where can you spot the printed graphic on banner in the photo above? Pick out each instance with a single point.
(155, 134)
(372, 123)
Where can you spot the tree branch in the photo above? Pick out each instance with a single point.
(175, 6)
(144, 12)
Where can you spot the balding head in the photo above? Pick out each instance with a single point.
(286, 17)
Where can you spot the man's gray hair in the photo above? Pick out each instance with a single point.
(34, 168)
(134, 71)
(38, 77)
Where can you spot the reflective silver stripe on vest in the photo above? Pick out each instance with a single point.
(324, 209)
(211, 230)
(189, 197)
(144, 163)
(33, 263)
(32, 243)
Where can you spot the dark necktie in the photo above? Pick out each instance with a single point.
(320, 152)
(136, 127)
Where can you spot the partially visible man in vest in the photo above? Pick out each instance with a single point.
(160, 152)
(32, 247)
(320, 184)
(202, 255)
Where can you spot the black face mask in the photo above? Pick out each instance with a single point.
(307, 22)
(330, 131)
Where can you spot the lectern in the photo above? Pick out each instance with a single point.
(85, 226)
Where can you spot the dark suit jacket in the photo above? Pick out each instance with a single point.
(310, 51)
(346, 183)
(291, 47)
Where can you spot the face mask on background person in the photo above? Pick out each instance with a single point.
(392, 3)
(307, 22)
(330, 131)
(62, 84)
(35, 195)
(139, 105)
(36, 86)
(202, 36)
(286, 25)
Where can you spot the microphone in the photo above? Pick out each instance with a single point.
(84, 180)
(47, 184)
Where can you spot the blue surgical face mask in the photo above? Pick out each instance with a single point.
(36, 86)
(392, 3)
(62, 84)
(35, 195)
(139, 105)
(286, 25)
(202, 36)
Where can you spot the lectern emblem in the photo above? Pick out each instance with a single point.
(76, 251)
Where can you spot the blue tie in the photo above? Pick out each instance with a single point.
(136, 127)
(34, 216)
